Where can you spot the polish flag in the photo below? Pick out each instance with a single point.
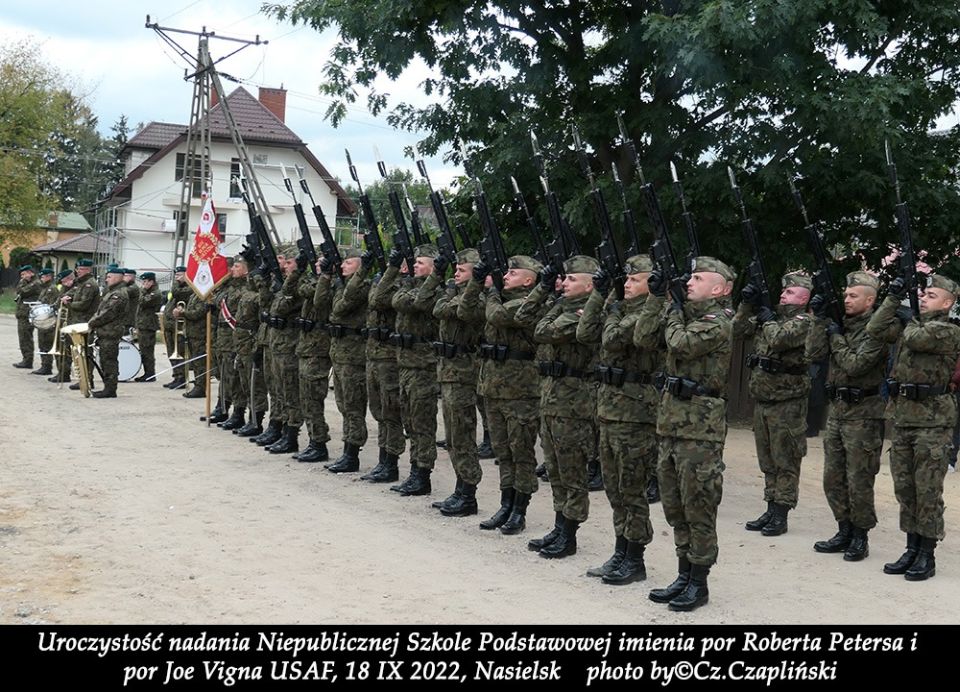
(206, 267)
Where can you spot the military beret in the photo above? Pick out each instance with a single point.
(581, 264)
(524, 262)
(351, 253)
(712, 264)
(426, 250)
(797, 279)
(115, 270)
(46, 271)
(286, 249)
(638, 264)
(64, 274)
(944, 282)
(861, 278)
(130, 271)
(112, 265)
(468, 256)
(26, 268)
(84, 263)
(148, 276)
(179, 268)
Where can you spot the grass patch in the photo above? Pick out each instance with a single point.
(7, 306)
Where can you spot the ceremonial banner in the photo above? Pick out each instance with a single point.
(206, 267)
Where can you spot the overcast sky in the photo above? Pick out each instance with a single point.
(121, 67)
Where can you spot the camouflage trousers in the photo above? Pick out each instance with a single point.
(286, 373)
(571, 443)
(314, 385)
(627, 452)
(44, 344)
(350, 390)
(147, 343)
(273, 385)
(918, 464)
(418, 412)
(109, 356)
(383, 395)
(198, 347)
(25, 334)
(513, 426)
(241, 396)
(227, 375)
(691, 487)
(780, 430)
(851, 450)
(460, 422)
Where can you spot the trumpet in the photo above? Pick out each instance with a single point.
(179, 326)
(78, 352)
(61, 318)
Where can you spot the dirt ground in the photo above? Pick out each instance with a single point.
(129, 510)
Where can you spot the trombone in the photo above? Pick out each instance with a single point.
(179, 326)
(61, 319)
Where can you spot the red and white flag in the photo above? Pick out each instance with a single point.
(206, 267)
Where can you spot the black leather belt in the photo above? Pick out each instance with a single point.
(340, 330)
(850, 395)
(557, 368)
(774, 366)
(607, 374)
(502, 352)
(682, 387)
(405, 340)
(307, 326)
(915, 391)
(451, 349)
(249, 326)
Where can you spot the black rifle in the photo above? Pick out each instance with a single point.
(636, 247)
(756, 274)
(328, 246)
(607, 251)
(492, 253)
(371, 232)
(446, 243)
(259, 240)
(531, 222)
(692, 241)
(564, 243)
(465, 239)
(401, 238)
(305, 242)
(908, 257)
(823, 284)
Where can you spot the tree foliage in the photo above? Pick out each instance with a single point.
(771, 87)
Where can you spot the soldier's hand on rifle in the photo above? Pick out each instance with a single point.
(834, 328)
(657, 283)
(601, 282)
(818, 305)
(904, 314)
(898, 288)
(765, 315)
(440, 265)
(326, 266)
(247, 253)
(396, 258)
(301, 262)
(367, 259)
(548, 277)
(751, 294)
(480, 272)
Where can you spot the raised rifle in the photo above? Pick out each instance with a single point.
(328, 246)
(756, 274)
(491, 248)
(304, 242)
(823, 284)
(636, 247)
(607, 251)
(259, 240)
(465, 239)
(908, 256)
(446, 243)
(401, 238)
(531, 222)
(564, 243)
(693, 242)
(371, 231)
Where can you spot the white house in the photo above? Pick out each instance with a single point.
(139, 218)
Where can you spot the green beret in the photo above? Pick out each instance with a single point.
(798, 279)
(426, 250)
(524, 262)
(351, 253)
(638, 264)
(861, 278)
(130, 271)
(468, 256)
(112, 265)
(712, 264)
(179, 268)
(148, 276)
(64, 274)
(46, 272)
(581, 264)
(115, 270)
(84, 263)
(26, 268)
(944, 282)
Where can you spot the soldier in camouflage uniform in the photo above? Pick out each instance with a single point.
(923, 411)
(461, 326)
(267, 285)
(509, 384)
(28, 290)
(83, 300)
(233, 392)
(133, 298)
(194, 315)
(65, 278)
(691, 424)
(49, 295)
(221, 344)
(109, 324)
(245, 344)
(568, 407)
(348, 319)
(854, 433)
(780, 384)
(180, 291)
(383, 376)
(147, 325)
(626, 411)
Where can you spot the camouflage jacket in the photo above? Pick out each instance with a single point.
(84, 299)
(27, 291)
(350, 310)
(926, 353)
(857, 359)
(49, 294)
(178, 292)
(317, 299)
(414, 301)
(265, 295)
(381, 320)
(133, 303)
(699, 340)
(783, 341)
(247, 314)
(611, 325)
(575, 393)
(460, 326)
(286, 307)
(110, 319)
(195, 320)
(147, 309)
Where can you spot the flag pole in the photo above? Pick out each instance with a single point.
(207, 375)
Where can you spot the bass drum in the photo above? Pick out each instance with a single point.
(129, 361)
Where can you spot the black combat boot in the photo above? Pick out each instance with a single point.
(376, 469)
(281, 437)
(44, 369)
(594, 476)
(925, 566)
(761, 521)
(541, 471)
(106, 393)
(906, 560)
(485, 449)
(390, 472)
(253, 427)
(146, 377)
(270, 435)
(565, 543)
(288, 443)
(60, 378)
(619, 550)
(653, 491)
(859, 548)
(315, 451)
(631, 567)
(400, 487)
(218, 414)
(449, 498)
(196, 393)
(420, 484)
(517, 521)
(24, 364)
(839, 542)
(696, 594)
(348, 462)
(537, 543)
(500, 517)
(777, 526)
(236, 419)
(464, 504)
(675, 588)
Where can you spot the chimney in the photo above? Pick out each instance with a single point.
(275, 101)
(214, 99)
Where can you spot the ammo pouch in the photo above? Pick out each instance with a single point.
(850, 395)
(402, 340)
(265, 317)
(305, 325)
(278, 322)
(683, 388)
(557, 368)
(914, 391)
(450, 349)
(607, 374)
(379, 333)
(502, 352)
(773, 366)
(340, 330)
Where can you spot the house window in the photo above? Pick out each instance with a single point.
(180, 170)
(222, 226)
(234, 178)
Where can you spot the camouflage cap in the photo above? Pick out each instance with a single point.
(351, 252)
(46, 271)
(64, 274)
(638, 264)
(524, 262)
(712, 264)
(861, 278)
(240, 258)
(797, 279)
(148, 276)
(581, 264)
(426, 250)
(287, 249)
(943, 282)
(468, 256)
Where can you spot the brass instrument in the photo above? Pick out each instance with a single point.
(78, 352)
(61, 318)
(163, 330)
(179, 327)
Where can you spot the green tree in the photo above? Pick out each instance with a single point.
(397, 180)
(773, 88)
(20, 256)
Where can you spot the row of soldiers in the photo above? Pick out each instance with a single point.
(558, 354)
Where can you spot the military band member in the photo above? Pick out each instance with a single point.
(64, 362)
(83, 300)
(179, 292)
(923, 411)
(147, 325)
(28, 290)
(109, 324)
(133, 297)
(49, 295)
